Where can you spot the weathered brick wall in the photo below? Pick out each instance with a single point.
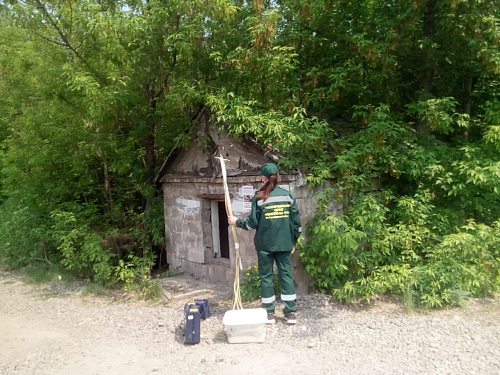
(183, 224)
(188, 230)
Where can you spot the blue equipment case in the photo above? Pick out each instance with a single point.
(204, 308)
(192, 328)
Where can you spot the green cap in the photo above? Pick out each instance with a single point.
(268, 169)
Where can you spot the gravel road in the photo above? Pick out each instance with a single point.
(54, 329)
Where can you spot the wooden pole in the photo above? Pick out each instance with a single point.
(237, 258)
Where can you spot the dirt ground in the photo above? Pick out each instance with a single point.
(55, 329)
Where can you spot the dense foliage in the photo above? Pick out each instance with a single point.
(396, 102)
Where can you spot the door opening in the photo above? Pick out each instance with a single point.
(220, 232)
(223, 231)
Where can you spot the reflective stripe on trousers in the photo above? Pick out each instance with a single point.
(287, 285)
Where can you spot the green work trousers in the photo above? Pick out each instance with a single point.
(283, 261)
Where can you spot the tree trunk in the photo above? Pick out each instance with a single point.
(467, 103)
(148, 142)
(427, 72)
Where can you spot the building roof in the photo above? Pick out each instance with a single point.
(243, 156)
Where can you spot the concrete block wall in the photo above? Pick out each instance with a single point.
(183, 224)
(186, 232)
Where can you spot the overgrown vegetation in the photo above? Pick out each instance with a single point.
(397, 103)
(250, 284)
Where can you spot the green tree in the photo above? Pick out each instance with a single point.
(99, 93)
(395, 102)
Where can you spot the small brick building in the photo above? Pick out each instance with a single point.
(198, 241)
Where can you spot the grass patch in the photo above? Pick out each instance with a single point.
(94, 289)
(408, 303)
(149, 290)
(40, 273)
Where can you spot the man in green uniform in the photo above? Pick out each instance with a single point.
(276, 219)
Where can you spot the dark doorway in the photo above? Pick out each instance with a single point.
(223, 230)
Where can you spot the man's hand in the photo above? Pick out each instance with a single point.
(232, 220)
(293, 249)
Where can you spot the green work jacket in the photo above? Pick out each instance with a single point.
(276, 221)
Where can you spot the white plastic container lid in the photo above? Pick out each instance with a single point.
(245, 316)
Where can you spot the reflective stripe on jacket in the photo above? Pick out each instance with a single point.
(277, 221)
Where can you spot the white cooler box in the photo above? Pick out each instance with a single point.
(247, 325)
